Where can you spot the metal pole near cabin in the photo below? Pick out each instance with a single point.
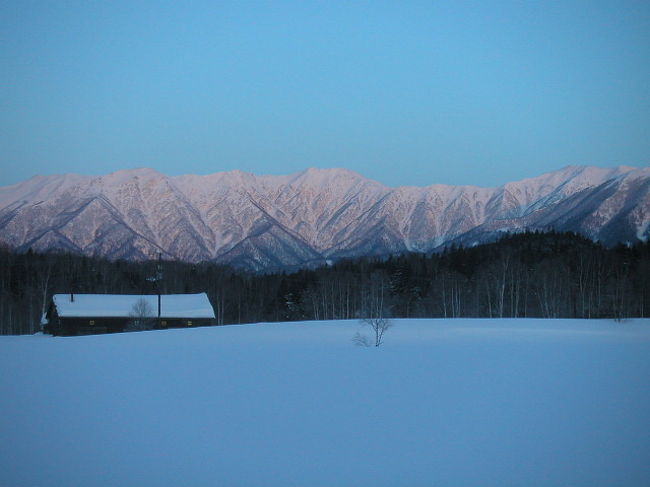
(158, 278)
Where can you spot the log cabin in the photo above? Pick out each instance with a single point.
(86, 314)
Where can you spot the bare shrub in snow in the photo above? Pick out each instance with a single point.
(379, 326)
(361, 340)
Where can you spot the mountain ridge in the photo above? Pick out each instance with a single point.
(308, 217)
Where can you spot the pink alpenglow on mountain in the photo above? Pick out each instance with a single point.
(311, 217)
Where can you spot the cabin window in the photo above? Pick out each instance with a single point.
(91, 322)
(163, 323)
(189, 322)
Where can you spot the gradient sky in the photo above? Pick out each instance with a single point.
(403, 92)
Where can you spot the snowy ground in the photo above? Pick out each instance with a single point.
(442, 403)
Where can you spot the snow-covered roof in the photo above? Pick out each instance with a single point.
(121, 305)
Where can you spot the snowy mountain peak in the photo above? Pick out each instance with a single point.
(126, 174)
(309, 217)
(317, 175)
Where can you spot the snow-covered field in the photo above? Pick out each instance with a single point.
(441, 403)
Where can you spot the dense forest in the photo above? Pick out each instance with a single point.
(548, 275)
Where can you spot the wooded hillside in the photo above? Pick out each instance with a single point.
(524, 275)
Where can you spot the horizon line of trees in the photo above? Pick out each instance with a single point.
(533, 274)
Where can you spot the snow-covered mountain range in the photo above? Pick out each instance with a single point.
(307, 218)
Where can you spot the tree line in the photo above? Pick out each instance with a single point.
(533, 274)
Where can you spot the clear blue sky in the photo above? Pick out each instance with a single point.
(404, 92)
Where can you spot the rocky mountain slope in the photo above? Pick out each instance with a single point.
(264, 222)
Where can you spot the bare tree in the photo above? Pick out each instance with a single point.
(379, 327)
(143, 316)
(44, 287)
